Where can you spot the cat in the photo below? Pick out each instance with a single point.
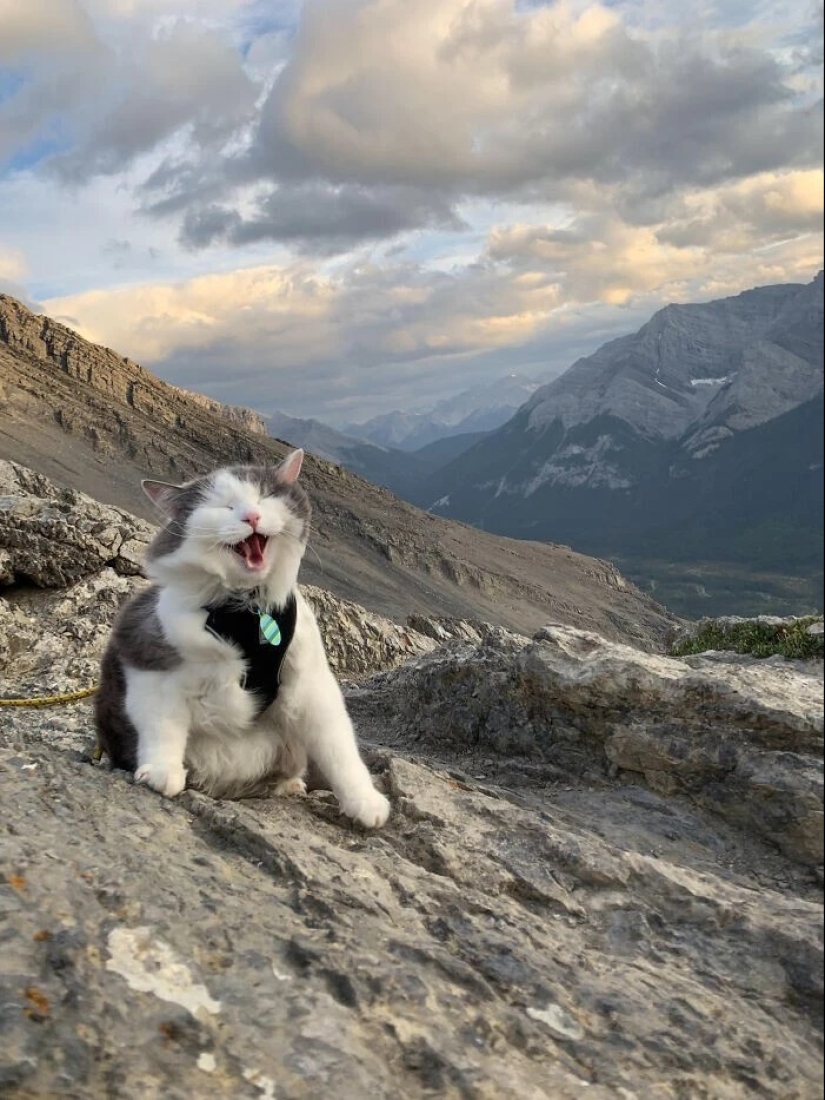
(216, 674)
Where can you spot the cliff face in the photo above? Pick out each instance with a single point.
(247, 420)
(97, 422)
(601, 876)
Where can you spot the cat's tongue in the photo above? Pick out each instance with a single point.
(252, 550)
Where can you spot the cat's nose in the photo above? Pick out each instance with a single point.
(252, 518)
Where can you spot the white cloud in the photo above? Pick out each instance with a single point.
(313, 342)
(181, 171)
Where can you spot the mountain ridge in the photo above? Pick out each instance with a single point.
(638, 439)
(94, 420)
(477, 410)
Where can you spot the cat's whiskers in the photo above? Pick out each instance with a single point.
(187, 529)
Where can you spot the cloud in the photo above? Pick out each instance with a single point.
(321, 217)
(315, 342)
(52, 27)
(89, 99)
(48, 53)
(324, 204)
(698, 237)
(439, 101)
(12, 264)
(181, 76)
(750, 213)
(489, 97)
(427, 105)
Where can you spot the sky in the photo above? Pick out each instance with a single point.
(338, 208)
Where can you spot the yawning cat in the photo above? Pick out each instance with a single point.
(217, 671)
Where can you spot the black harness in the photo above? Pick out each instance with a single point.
(241, 627)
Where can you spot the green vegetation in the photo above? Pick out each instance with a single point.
(790, 640)
(705, 589)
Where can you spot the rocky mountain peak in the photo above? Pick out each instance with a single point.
(693, 446)
(59, 347)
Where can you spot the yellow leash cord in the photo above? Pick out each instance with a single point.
(49, 700)
(53, 700)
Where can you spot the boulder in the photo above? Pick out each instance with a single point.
(52, 537)
(739, 735)
(599, 877)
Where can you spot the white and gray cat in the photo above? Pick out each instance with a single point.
(217, 672)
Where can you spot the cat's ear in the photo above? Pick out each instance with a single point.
(290, 467)
(165, 497)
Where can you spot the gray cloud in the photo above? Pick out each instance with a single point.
(50, 56)
(181, 77)
(580, 102)
(383, 117)
(318, 216)
(384, 136)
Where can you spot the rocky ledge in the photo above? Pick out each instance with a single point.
(601, 876)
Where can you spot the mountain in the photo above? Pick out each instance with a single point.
(387, 466)
(695, 442)
(433, 456)
(95, 421)
(478, 410)
(401, 471)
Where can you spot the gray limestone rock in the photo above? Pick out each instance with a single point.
(474, 948)
(52, 537)
(596, 880)
(739, 735)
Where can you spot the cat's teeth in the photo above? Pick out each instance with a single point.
(252, 550)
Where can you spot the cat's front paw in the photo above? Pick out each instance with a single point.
(370, 808)
(167, 779)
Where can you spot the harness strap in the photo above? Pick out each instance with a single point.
(263, 639)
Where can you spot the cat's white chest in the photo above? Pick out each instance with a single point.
(219, 706)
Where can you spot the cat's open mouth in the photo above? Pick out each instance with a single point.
(252, 550)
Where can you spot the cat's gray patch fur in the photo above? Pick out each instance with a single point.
(138, 636)
(137, 639)
(173, 532)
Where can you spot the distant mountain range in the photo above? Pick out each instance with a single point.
(469, 412)
(402, 471)
(93, 420)
(400, 450)
(692, 451)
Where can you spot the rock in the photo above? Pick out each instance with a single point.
(625, 907)
(739, 735)
(475, 948)
(246, 419)
(51, 644)
(359, 642)
(52, 537)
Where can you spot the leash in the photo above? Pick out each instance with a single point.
(49, 700)
(54, 700)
